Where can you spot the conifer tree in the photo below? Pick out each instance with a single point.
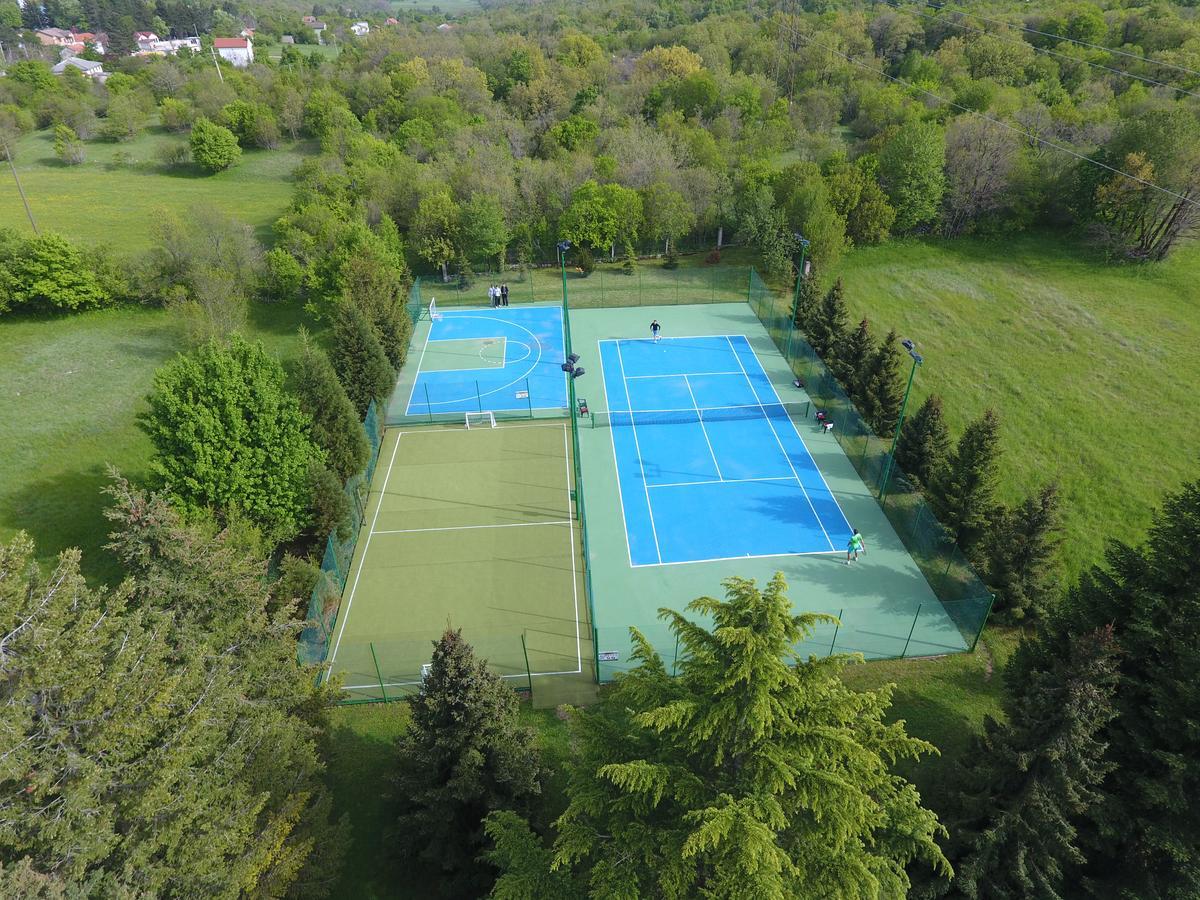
(807, 303)
(336, 428)
(753, 773)
(884, 385)
(1022, 546)
(924, 443)
(1029, 781)
(963, 492)
(374, 280)
(827, 331)
(1143, 839)
(359, 361)
(161, 739)
(463, 757)
(854, 366)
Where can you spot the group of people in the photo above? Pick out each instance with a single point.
(498, 295)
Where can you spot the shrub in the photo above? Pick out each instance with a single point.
(213, 147)
(67, 146)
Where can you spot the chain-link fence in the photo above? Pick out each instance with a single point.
(339, 552)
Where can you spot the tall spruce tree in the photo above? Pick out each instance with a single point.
(1028, 781)
(963, 492)
(463, 757)
(753, 773)
(372, 280)
(359, 361)
(924, 444)
(1022, 548)
(854, 365)
(884, 384)
(1143, 838)
(336, 428)
(807, 303)
(827, 329)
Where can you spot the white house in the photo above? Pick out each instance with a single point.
(169, 47)
(88, 67)
(239, 51)
(361, 28)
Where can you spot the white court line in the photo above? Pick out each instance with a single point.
(420, 362)
(450, 428)
(638, 448)
(782, 448)
(722, 481)
(388, 684)
(688, 562)
(362, 559)
(469, 527)
(571, 523)
(703, 430)
(612, 434)
(681, 375)
(820, 474)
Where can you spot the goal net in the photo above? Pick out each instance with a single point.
(481, 419)
(433, 310)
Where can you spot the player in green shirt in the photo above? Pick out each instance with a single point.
(856, 546)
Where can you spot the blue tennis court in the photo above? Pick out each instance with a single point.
(502, 360)
(709, 462)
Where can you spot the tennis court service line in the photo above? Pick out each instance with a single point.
(470, 527)
(703, 430)
(638, 448)
(778, 440)
(671, 484)
(345, 617)
(631, 377)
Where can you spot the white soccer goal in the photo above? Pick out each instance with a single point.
(433, 310)
(480, 419)
(426, 668)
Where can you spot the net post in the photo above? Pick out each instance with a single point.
(904, 652)
(836, 628)
(378, 674)
(528, 671)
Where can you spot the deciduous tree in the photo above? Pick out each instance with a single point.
(214, 147)
(911, 171)
(228, 436)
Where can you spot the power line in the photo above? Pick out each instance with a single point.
(894, 5)
(1028, 134)
(1059, 37)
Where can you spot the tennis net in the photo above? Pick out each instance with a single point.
(609, 418)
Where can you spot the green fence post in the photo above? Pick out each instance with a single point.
(904, 652)
(983, 622)
(675, 658)
(378, 674)
(529, 397)
(478, 397)
(836, 627)
(428, 404)
(528, 671)
(596, 648)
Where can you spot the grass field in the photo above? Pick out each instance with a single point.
(73, 386)
(329, 51)
(446, 7)
(103, 202)
(1093, 367)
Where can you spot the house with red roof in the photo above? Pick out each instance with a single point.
(238, 51)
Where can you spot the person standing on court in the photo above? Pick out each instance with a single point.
(655, 328)
(504, 295)
(856, 546)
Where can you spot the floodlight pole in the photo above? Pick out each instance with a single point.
(917, 359)
(20, 190)
(796, 296)
(572, 404)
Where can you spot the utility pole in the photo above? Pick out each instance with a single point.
(20, 190)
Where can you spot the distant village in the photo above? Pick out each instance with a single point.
(80, 49)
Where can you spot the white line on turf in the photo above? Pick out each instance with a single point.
(681, 375)
(388, 684)
(703, 430)
(688, 562)
(571, 534)
(778, 440)
(468, 527)
(723, 481)
(637, 446)
(345, 617)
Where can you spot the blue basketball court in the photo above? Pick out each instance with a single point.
(499, 360)
(710, 464)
